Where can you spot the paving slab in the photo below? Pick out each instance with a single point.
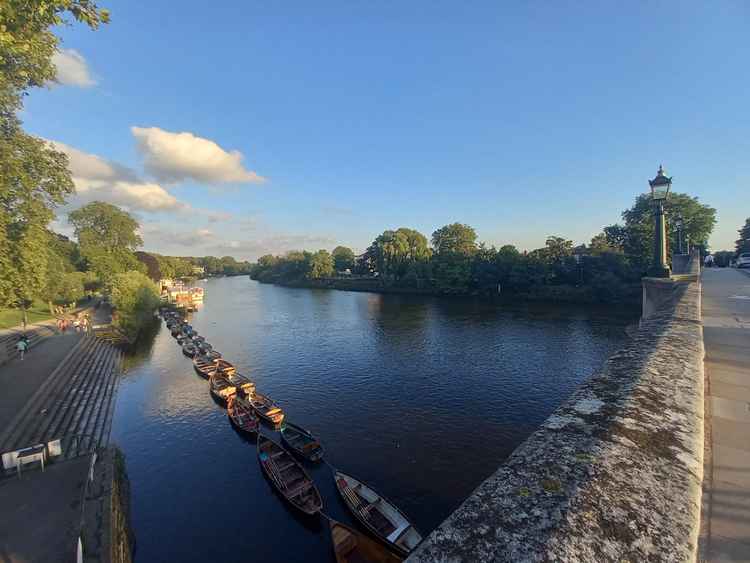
(726, 336)
(41, 513)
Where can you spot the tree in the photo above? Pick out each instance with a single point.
(108, 237)
(343, 258)
(743, 243)
(557, 249)
(454, 246)
(455, 238)
(600, 244)
(34, 178)
(321, 265)
(638, 232)
(135, 297)
(394, 252)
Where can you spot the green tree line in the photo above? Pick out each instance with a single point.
(608, 268)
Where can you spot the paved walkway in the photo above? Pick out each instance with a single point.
(726, 334)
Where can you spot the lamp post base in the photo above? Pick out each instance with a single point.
(659, 272)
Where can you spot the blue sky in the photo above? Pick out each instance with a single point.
(521, 119)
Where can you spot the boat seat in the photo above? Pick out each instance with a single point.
(277, 454)
(299, 488)
(398, 532)
(286, 466)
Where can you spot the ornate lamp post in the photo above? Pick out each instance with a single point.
(659, 193)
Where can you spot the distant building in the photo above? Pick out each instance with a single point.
(199, 270)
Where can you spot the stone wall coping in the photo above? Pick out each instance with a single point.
(614, 474)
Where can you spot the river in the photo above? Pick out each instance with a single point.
(420, 397)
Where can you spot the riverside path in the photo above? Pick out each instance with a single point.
(726, 335)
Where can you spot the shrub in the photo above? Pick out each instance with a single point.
(135, 297)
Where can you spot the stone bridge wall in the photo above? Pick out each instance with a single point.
(615, 473)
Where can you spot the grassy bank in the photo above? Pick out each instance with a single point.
(627, 296)
(10, 318)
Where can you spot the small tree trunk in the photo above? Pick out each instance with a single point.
(25, 318)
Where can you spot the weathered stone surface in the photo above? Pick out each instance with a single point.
(614, 474)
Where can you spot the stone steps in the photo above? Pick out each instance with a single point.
(77, 399)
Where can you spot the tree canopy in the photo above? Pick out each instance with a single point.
(108, 237)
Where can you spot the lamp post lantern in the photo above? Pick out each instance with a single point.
(659, 193)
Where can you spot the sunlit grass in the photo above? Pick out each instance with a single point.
(10, 318)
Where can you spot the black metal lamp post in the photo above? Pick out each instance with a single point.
(659, 193)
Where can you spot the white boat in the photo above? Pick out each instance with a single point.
(378, 514)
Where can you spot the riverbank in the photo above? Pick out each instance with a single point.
(629, 298)
(61, 398)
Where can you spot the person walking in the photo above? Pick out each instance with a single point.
(22, 345)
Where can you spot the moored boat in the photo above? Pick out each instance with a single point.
(242, 383)
(242, 415)
(288, 476)
(224, 366)
(203, 366)
(221, 387)
(266, 409)
(176, 330)
(204, 347)
(301, 441)
(189, 349)
(378, 514)
(351, 546)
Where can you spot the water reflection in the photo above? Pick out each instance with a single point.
(420, 397)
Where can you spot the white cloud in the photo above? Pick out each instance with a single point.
(72, 69)
(174, 157)
(170, 240)
(96, 178)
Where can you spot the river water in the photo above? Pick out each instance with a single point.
(420, 397)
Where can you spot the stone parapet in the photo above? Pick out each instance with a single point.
(614, 474)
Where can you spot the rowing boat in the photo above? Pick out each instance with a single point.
(220, 387)
(301, 441)
(266, 409)
(241, 414)
(242, 383)
(378, 514)
(203, 366)
(351, 546)
(288, 476)
(189, 349)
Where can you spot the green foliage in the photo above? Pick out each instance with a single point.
(636, 237)
(321, 265)
(71, 287)
(455, 238)
(743, 243)
(27, 44)
(135, 297)
(107, 237)
(393, 253)
(343, 258)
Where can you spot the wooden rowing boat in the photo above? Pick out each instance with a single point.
(301, 441)
(242, 415)
(350, 546)
(288, 476)
(224, 366)
(378, 514)
(220, 387)
(203, 366)
(244, 384)
(266, 409)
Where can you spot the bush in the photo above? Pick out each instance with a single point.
(135, 298)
